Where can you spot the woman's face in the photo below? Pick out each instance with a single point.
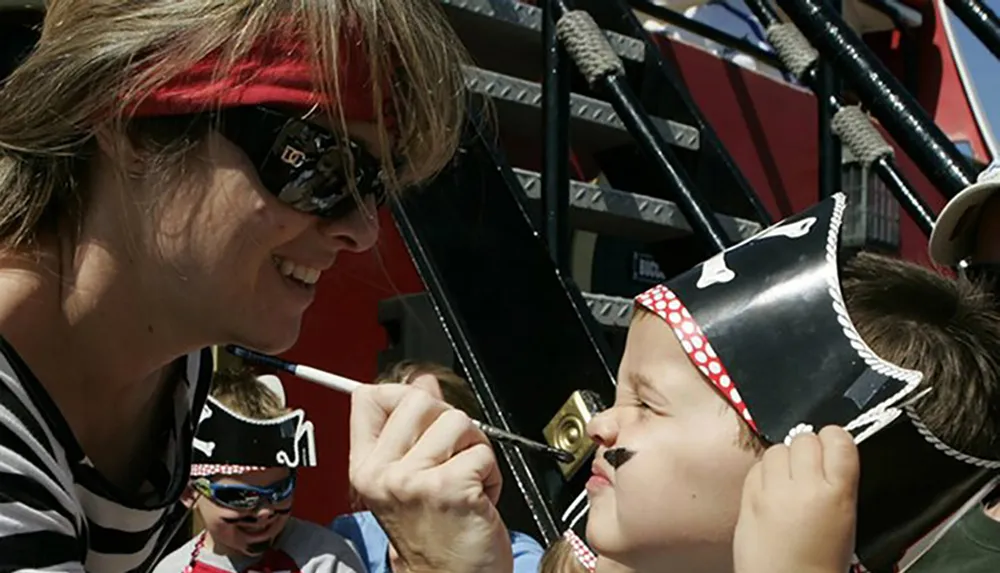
(236, 263)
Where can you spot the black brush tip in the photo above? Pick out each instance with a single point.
(561, 455)
(258, 358)
(237, 351)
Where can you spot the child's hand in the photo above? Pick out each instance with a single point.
(799, 507)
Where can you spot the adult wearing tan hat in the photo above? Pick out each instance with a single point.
(968, 228)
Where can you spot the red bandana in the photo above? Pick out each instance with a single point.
(277, 70)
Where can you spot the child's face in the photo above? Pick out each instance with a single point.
(675, 501)
(248, 532)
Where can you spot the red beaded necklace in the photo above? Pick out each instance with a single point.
(198, 546)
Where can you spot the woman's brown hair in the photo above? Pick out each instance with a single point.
(97, 59)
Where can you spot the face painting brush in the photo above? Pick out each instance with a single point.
(347, 386)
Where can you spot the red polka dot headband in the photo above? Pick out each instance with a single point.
(662, 302)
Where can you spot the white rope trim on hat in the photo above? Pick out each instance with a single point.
(305, 429)
(881, 415)
(294, 414)
(945, 448)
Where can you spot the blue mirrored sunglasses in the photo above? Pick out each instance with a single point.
(244, 497)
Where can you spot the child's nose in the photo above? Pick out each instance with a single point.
(265, 511)
(603, 428)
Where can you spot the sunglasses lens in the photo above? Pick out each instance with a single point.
(304, 165)
(236, 497)
(282, 490)
(245, 497)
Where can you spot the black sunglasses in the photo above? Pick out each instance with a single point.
(302, 164)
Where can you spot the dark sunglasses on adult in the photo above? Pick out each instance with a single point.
(244, 497)
(304, 165)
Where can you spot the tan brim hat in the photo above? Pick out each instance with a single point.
(954, 234)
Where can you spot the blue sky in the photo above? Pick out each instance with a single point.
(983, 67)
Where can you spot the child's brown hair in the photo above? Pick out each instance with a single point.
(947, 328)
(239, 390)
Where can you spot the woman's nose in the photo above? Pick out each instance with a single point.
(357, 231)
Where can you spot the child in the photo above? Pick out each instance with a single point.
(362, 528)
(247, 450)
(777, 338)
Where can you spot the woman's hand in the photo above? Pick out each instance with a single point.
(431, 479)
(799, 507)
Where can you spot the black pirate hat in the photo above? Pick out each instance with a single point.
(229, 443)
(766, 323)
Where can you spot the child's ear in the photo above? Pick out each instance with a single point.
(189, 496)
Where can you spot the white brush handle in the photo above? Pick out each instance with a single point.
(332, 381)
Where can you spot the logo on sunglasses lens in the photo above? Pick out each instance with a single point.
(293, 156)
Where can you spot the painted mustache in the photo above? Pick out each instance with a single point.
(253, 518)
(618, 456)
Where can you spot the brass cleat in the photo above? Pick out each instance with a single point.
(568, 429)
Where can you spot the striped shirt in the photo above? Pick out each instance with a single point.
(57, 512)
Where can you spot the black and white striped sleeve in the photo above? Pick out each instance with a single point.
(40, 521)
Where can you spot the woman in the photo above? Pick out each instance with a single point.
(176, 174)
